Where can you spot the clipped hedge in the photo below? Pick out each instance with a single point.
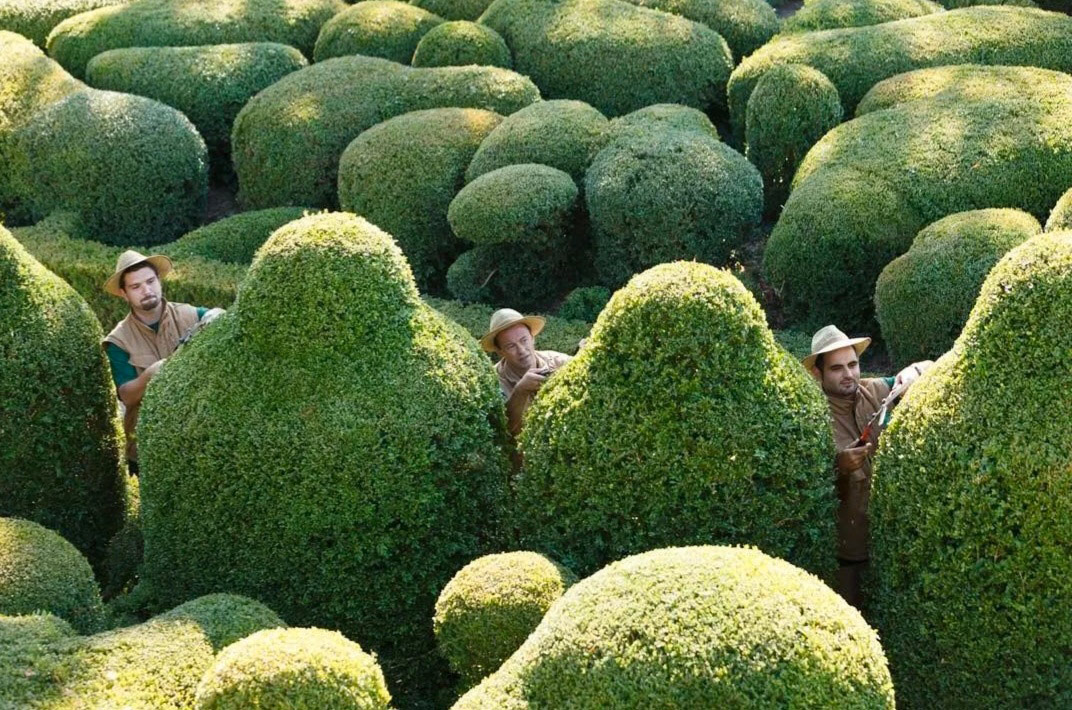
(971, 511)
(126, 548)
(34, 19)
(455, 9)
(1061, 216)
(402, 174)
(288, 139)
(696, 426)
(32, 629)
(375, 28)
(490, 607)
(584, 303)
(560, 333)
(694, 627)
(746, 25)
(940, 276)
(185, 23)
(613, 55)
(835, 14)
(511, 275)
(460, 43)
(294, 668)
(658, 116)
(233, 239)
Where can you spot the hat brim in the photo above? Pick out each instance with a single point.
(858, 344)
(535, 325)
(162, 263)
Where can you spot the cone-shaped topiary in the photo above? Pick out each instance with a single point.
(1061, 216)
(833, 14)
(375, 28)
(459, 43)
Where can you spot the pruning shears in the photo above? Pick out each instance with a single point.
(879, 416)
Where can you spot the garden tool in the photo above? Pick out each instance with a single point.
(879, 416)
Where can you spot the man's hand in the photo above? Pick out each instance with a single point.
(852, 459)
(909, 375)
(532, 381)
(150, 372)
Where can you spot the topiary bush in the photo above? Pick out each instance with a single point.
(560, 333)
(746, 25)
(233, 239)
(491, 606)
(460, 43)
(287, 153)
(971, 510)
(584, 303)
(659, 116)
(375, 28)
(940, 275)
(613, 55)
(34, 19)
(1061, 216)
(32, 629)
(696, 426)
(717, 201)
(402, 175)
(277, 397)
(512, 275)
(455, 9)
(294, 668)
(694, 627)
(819, 15)
(186, 23)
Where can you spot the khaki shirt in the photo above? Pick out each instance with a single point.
(544, 359)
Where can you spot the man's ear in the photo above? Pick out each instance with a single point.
(816, 373)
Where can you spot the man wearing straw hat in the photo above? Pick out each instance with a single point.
(522, 369)
(854, 403)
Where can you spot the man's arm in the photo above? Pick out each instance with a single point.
(519, 400)
(132, 392)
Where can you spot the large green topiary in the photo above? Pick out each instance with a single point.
(746, 25)
(358, 428)
(613, 55)
(288, 138)
(657, 116)
(834, 14)
(1061, 215)
(402, 174)
(233, 239)
(971, 511)
(680, 420)
(694, 627)
(34, 19)
(459, 43)
(375, 28)
(924, 296)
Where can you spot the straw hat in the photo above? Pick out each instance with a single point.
(504, 319)
(131, 258)
(829, 339)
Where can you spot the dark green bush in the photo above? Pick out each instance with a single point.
(233, 239)
(696, 426)
(188, 23)
(491, 606)
(460, 43)
(694, 627)
(834, 14)
(126, 548)
(1061, 216)
(559, 333)
(32, 629)
(746, 25)
(924, 296)
(34, 19)
(613, 55)
(294, 668)
(455, 9)
(658, 116)
(375, 28)
(402, 174)
(511, 275)
(971, 511)
(288, 139)
(717, 201)
(584, 303)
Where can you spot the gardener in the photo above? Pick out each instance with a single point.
(835, 363)
(522, 369)
(151, 332)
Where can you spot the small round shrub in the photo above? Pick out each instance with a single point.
(508, 275)
(971, 509)
(668, 195)
(1061, 216)
(525, 204)
(584, 303)
(491, 606)
(375, 28)
(459, 43)
(659, 116)
(32, 629)
(34, 19)
(819, 15)
(694, 627)
(455, 9)
(746, 25)
(940, 276)
(234, 239)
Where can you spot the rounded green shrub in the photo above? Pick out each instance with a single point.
(375, 28)
(364, 428)
(188, 23)
(32, 629)
(940, 276)
(666, 195)
(1061, 216)
(694, 627)
(525, 204)
(510, 275)
(455, 9)
(233, 239)
(402, 174)
(294, 668)
(584, 303)
(971, 508)
(560, 333)
(659, 116)
(40, 571)
(613, 55)
(491, 606)
(288, 139)
(834, 14)
(460, 43)
(695, 426)
(792, 107)
(746, 25)
(34, 19)
(59, 443)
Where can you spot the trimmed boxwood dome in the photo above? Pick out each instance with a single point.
(234, 239)
(33, 628)
(375, 28)
(833, 14)
(455, 9)
(34, 19)
(658, 116)
(746, 25)
(456, 44)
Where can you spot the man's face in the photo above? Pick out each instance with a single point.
(841, 372)
(517, 346)
(141, 289)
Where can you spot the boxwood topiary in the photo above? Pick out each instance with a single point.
(34, 628)
(375, 28)
(560, 333)
(1061, 216)
(34, 19)
(512, 275)
(696, 426)
(233, 239)
(694, 627)
(491, 606)
(971, 511)
(940, 276)
(584, 303)
(459, 43)
(746, 25)
(402, 174)
(659, 116)
(288, 138)
(834, 14)
(455, 9)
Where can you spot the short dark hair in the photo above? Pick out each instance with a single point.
(135, 267)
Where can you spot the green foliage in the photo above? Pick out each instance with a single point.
(834, 14)
(294, 668)
(34, 19)
(460, 43)
(186, 23)
(375, 28)
(695, 426)
(940, 276)
(1061, 216)
(717, 201)
(402, 174)
(491, 606)
(694, 627)
(746, 25)
(233, 239)
(971, 508)
(584, 303)
(512, 275)
(288, 139)
(658, 116)
(126, 548)
(613, 55)
(560, 333)
(32, 629)
(455, 9)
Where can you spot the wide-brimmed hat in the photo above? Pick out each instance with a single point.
(829, 339)
(504, 319)
(131, 258)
